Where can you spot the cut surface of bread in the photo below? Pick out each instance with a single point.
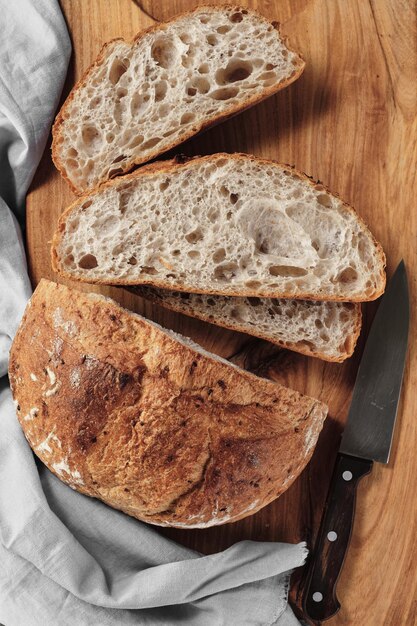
(221, 224)
(146, 420)
(327, 330)
(139, 99)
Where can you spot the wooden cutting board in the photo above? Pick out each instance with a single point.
(350, 121)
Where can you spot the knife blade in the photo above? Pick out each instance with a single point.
(367, 438)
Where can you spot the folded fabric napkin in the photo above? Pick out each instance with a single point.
(65, 558)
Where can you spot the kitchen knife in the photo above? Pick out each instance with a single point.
(367, 438)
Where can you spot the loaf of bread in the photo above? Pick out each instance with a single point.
(326, 330)
(149, 422)
(139, 99)
(221, 224)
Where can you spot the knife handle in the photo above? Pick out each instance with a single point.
(319, 595)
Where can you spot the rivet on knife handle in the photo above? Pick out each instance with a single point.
(319, 597)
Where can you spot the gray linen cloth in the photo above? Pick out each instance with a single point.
(65, 558)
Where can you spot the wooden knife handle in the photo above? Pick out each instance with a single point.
(319, 595)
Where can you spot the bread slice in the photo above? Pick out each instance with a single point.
(147, 421)
(221, 224)
(139, 99)
(326, 330)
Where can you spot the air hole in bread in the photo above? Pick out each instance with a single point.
(270, 66)
(121, 92)
(238, 313)
(115, 172)
(149, 270)
(86, 204)
(195, 236)
(219, 255)
(69, 260)
(193, 254)
(164, 185)
(176, 252)
(315, 245)
(324, 200)
(119, 158)
(267, 76)
(348, 275)
(187, 118)
(363, 249)
(91, 136)
(133, 260)
(136, 141)
(287, 270)
(234, 198)
(185, 38)
(202, 84)
(253, 284)
(88, 262)
(222, 30)
(139, 103)
(204, 19)
(318, 323)
(117, 250)
(160, 90)
(191, 91)
(72, 152)
(225, 93)
(236, 17)
(109, 137)
(163, 110)
(305, 344)
(117, 69)
(151, 143)
(212, 39)
(164, 52)
(235, 70)
(226, 272)
(204, 68)
(72, 164)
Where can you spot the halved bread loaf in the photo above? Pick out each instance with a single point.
(222, 224)
(139, 99)
(146, 420)
(327, 330)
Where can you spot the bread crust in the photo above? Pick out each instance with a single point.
(122, 411)
(202, 126)
(171, 166)
(305, 349)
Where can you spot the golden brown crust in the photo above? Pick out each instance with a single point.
(121, 411)
(172, 165)
(301, 348)
(204, 124)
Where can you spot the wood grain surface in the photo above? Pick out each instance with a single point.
(350, 121)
